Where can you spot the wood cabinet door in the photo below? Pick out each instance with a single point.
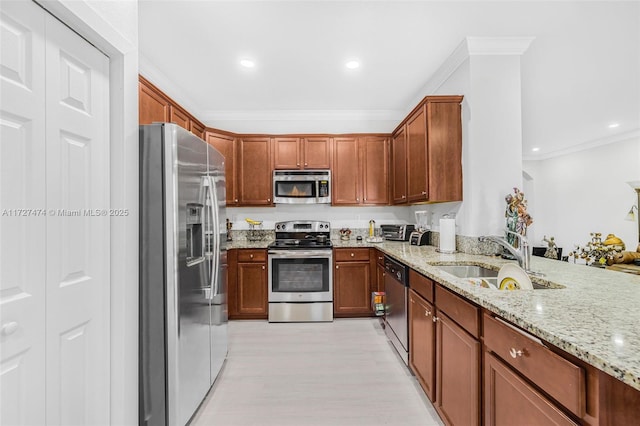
(255, 180)
(509, 400)
(457, 373)
(153, 107)
(287, 153)
(345, 186)
(444, 142)
(227, 147)
(252, 290)
(380, 273)
(417, 161)
(317, 153)
(352, 289)
(232, 283)
(422, 343)
(197, 129)
(180, 117)
(399, 167)
(375, 170)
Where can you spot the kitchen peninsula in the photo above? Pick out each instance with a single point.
(592, 316)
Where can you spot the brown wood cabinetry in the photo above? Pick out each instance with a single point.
(399, 167)
(422, 342)
(360, 171)
(248, 284)
(301, 153)
(254, 172)
(457, 373)
(508, 399)
(227, 145)
(457, 359)
(156, 107)
(377, 263)
(352, 282)
(317, 152)
(433, 133)
(153, 105)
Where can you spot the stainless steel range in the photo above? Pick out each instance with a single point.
(300, 272)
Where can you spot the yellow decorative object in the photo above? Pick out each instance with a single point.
(612, 240)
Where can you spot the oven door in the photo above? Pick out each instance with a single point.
(300, 276)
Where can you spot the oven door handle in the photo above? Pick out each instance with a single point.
(288, 254)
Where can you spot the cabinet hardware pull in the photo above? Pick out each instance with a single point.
(352, 255)
(262, 266)
(251, 256)
(434, 319)
(365, 199)
(424, 192)
(235, 201)
(269, 200)
(298, 164)
(514, 353)
(404, 196)
(427, 313)
(306, 164)
(337, 266)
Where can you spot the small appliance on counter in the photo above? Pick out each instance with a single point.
(420, 238)
(397, 232)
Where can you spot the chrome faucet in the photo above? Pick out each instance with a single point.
(522, 253)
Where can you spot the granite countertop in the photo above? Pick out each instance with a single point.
(596, 316)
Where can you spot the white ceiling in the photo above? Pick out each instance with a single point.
(581, 72)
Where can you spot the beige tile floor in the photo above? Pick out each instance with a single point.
(343, 373)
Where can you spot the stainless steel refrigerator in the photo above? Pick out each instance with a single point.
(183, 273)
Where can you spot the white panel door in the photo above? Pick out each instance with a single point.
(22, 231)
(77, 163)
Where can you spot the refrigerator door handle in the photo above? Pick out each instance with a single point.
(215, 229)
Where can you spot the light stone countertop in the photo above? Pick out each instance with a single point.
(596, 317)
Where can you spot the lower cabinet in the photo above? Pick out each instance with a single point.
(248, 284)
(457, 373)
(508, 399)
(422, 343)
(352, 282)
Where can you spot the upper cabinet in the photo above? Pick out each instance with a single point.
(227, 145)
(156, 107)
(360, 172)
(301, 153)
(399, 167)
(433, 139)
(255, 181)
(153, 106)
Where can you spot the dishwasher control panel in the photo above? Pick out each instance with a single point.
(397, 270)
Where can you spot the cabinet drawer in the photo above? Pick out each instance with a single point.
(346, 255)
(459, 310)
(246, 255)
(421, 285)
(558, 377)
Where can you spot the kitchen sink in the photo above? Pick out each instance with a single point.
(488, 275)
(469, 271)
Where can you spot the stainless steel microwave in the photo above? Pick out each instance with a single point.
(302, 186)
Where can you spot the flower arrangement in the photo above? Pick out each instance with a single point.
(597, 250)
(345, 233)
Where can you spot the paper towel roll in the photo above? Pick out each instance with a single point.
(447, 235)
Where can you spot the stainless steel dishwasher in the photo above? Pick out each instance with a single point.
(397, 294)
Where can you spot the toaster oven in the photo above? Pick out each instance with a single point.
(397, 232)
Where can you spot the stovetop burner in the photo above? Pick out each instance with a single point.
(301, 234)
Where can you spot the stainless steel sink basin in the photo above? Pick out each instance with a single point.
(469, 271)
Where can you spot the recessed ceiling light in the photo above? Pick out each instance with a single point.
(536, 149)
(614, 125)
(247, 63)
(352, 65)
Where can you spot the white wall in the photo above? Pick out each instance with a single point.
(584, 192)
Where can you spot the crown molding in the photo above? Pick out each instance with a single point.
(468, 47)
(303, 115)
(498, 45)
(595, 143)
(149, 71)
